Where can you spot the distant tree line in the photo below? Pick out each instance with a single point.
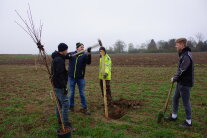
(198, 45)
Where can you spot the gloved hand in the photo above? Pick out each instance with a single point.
(105, 75)
(89, 50)
(65, 91)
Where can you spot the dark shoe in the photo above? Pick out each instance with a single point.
(85, 111)
(185, 125)
(170, 118)
(71, 109)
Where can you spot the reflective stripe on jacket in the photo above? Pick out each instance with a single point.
(77, 65)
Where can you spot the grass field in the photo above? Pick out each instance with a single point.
(27, 111)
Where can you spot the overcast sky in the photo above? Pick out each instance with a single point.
(85, 21)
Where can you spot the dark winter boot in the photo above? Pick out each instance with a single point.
(85, 111)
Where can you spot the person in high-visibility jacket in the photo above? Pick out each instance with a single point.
(106, 75)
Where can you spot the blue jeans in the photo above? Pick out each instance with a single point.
(64, 104)
(81, 86)
(184, 93)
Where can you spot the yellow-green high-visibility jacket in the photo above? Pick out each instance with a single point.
(108, 64)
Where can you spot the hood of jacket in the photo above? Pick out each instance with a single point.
(57, 54)
(184, 50)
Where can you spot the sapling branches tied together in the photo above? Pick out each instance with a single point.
(36, 33)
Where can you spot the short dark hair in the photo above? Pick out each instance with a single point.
(102, 48)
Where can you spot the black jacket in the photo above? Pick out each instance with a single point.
(77, 65)
(59, 73)
(185, 71)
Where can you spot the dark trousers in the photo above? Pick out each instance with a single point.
(184, 93)
(108, 90)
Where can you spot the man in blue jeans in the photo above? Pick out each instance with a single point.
(59, 80)
(184, 78)
(76, 73)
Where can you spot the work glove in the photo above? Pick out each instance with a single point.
(105, 75)
(89, 50)
(65, 91)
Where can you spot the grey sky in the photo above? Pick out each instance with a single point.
(71, 21)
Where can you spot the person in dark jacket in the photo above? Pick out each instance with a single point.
(59, 80)
(76, 73)
(185, 79)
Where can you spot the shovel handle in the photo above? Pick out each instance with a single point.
(168, 97)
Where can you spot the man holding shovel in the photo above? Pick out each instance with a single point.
(106, 75)
(59, 80)
(76, 73)
(184, 78)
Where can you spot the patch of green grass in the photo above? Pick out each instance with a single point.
(164, 133)
(27, 111)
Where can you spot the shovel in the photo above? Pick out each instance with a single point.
(162, 112)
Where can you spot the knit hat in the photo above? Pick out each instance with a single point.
(78, 44)
(62, 47)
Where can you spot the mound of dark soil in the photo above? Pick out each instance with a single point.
(119, 108)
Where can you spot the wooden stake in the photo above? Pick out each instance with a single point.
(104, 84)
(168, 97)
